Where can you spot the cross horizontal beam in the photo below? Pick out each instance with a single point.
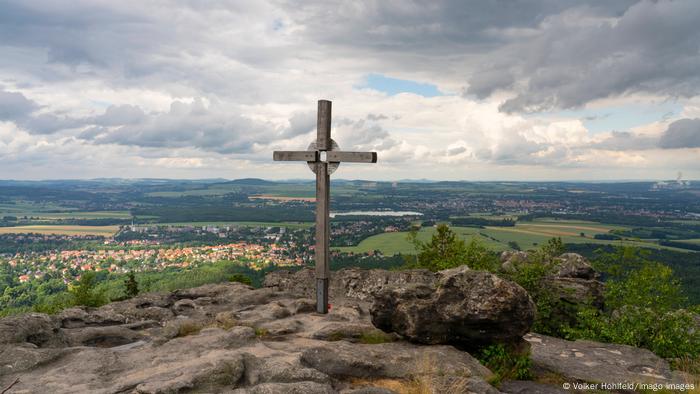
(351, 157)
(331, 156)
(295, 155)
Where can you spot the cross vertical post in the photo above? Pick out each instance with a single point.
(323, 185)
(323, 157)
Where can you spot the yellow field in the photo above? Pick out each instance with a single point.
(62, 230)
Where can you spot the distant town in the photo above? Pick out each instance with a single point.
(49, 240)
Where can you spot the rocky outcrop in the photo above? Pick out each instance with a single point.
(461, 307)
(590, 361)
(511, 259)
(572, 281)
(575, 280)
(219, 338)
(573, 265)
(231, 338)
(352, 283)
(34, 328)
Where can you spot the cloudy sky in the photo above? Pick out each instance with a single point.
(473, 90)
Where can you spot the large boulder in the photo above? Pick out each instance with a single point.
(462, 307)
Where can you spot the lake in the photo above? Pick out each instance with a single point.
(376, 213)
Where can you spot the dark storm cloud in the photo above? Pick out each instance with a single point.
(17, 108)
(185, 125)
(14, 106)
(547, 53)
(171, 48)
(684, 133)
(80, 32)
(652, 48)
(435, 27)
(299, 123)
(116, 115)
(209, 128)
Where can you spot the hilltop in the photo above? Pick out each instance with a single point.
(232, 338)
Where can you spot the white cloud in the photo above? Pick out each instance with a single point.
(200, 89)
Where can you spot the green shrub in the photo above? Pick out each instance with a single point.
(505, 364)
(552, 315)
(54, 304)
(375, 337)
(643, 309)
(261, 332)
(241, 278)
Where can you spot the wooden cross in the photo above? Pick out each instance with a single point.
(323, 156)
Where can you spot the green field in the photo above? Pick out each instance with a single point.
(84, 215)
(393, 243)
(48, 211)
(687, 221)
(28, 208)
(106, 231)
(527, 235)
(247, 224)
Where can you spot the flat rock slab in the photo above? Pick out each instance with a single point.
(528, 387)
(442, 365)
(598, 362)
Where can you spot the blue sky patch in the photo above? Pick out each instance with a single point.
(620, 118)
(393, 86)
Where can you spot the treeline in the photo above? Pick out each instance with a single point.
(672, 231)
(27, 243)
(681, 245)
(50, 294)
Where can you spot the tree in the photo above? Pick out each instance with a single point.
(445, 250)
(85, 292)
(131, 285)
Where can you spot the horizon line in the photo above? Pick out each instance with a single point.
(404, 180)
